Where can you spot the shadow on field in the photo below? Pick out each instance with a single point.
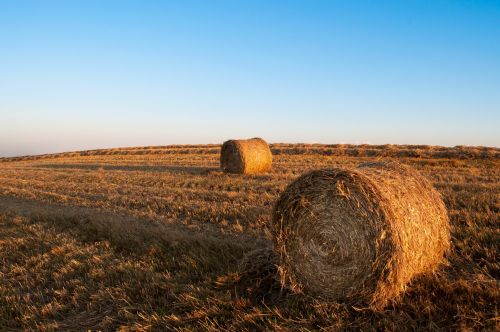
(75, 268)
(196, 170)
(241, 264)
(129, 233)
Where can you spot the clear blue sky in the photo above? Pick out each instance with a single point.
(88, 74)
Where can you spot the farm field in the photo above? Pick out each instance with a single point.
(157, 238)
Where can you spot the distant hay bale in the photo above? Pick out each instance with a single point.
(359, 236)
(251, 156)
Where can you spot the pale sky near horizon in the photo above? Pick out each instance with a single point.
(91, 74)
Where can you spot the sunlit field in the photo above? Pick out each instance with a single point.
(154, 238)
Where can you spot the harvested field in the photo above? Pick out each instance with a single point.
(160, 238)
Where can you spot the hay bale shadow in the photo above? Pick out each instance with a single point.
(257, 278)
(176, 169)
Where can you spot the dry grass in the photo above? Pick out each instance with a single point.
(154, 239)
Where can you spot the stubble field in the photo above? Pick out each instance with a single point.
(155, 238)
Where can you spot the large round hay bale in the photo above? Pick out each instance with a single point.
(249, 156)
(359, 236)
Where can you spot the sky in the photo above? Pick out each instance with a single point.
(87, 74)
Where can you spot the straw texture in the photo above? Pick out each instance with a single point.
(359, 236)
(250, 156)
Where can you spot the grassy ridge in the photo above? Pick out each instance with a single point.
(155, 241)
(365, 150)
